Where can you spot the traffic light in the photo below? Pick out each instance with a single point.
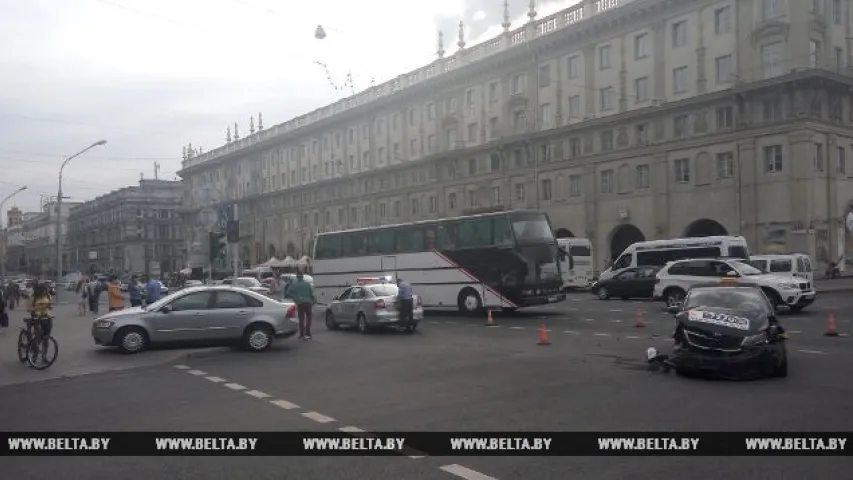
(217, 246)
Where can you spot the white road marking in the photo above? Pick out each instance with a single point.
(351, 429)
(632, 337)
(197, 373)
(215, 379)
(794, 331)
(466, 473)
(815, 352)
(452, 323)
(182, 367)
(617, 310)
(843, 334)
(573, 332)
(588, 319)
(516, 328)
(284, 404)
(616, 321)
(601, 334)
(235, 386)
(572, 309)
(318, 417)
(415, 457)
(257, 394)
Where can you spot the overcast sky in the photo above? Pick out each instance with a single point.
(150, 76)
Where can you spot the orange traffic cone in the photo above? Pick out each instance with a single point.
(543, 336)
(490, 322)
(831, 330)
(639, 323)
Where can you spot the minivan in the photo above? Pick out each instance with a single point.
(793, 264)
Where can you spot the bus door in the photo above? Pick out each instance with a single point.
(388, 266)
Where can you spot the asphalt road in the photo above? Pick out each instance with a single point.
(454, 374)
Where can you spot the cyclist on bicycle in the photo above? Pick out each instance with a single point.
(41, 309)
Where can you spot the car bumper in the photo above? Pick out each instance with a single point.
(285, 333)
(393, 318)
(103, 336)
(798, 298)
(754, 362)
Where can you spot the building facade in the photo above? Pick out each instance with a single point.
(131, 230)
(623, 120)
(31, 239)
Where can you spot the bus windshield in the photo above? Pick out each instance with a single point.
(531, 228)
(541, 263)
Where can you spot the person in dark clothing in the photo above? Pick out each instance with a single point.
(407, 303)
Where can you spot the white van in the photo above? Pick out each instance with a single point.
(793, 264)
(577, 266)
(657, 253)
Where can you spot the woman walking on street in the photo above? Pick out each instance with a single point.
(82, 291)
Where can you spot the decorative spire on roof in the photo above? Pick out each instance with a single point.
(252, 125)
(506, 24)
(440, 51)
(184, 152)
(236, 132)
(531, 11)
(190, 152)
(228, 135)
(260, 121)
(200, 151)
(461, 41)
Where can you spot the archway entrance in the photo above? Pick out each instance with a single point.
(564, 233)
(705, 227)
(622, 237)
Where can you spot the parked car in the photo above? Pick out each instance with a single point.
(370, 306)
(632, 282)
(249, 283)
(206, 314)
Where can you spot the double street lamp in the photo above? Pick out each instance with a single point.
(5, 240)
(99, 143)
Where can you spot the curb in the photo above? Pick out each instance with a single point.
(203, 353)
(835, 289)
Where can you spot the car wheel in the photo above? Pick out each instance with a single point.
(331, 324)
(673, 297)
(361, 322)
(131, 340)
(257, 338)
(603, 294)
(411, 328)
(469, 302)
(782, 368)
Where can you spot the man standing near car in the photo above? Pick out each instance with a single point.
(153, 290)
(134, 289)
(302, 293)
(407, 305)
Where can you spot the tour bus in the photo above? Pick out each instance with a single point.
(578, 266)
(656, 253)
(503, 260)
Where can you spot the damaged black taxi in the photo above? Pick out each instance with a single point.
(728, 330)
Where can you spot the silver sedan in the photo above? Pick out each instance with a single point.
(210, 314)
(370, 306)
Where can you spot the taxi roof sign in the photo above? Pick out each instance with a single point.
(370, 280)
(729, 281)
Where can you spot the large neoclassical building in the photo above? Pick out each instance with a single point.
(623, 120)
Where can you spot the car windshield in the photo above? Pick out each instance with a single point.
(247, 282)
(743, 299)
(384, 290)
(531, 227)
(745, 268)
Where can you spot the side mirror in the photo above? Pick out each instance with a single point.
(165, 309)
(732, 274)
(673, 309)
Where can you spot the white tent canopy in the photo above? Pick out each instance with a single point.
(271, 262)
(303, 262)
(284, 263)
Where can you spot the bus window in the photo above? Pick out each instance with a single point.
(381, 242)
(502, 231)
(447, 235)
(738, 252)
(410, 240)
(475, 232)
(328, 246)
(355, 244)
(579, 251)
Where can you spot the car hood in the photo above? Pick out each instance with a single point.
(723, 321)
(121, 313)
(771, 278)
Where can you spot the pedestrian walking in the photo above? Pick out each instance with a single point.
(302, 293)
(4, 316)
(153, 289)
(82, 295)
(94, 294)
(407, 305)
(114, 296)
(134, 291)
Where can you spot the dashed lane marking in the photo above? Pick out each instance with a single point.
(318, 417)
(794, 331)
(464, 472)
(588, 319)
(182, 367)
(215, 379)
(601, 334)
(572, 332)
(235, 386)
(516, 328)
(632, 337)
(452, 323)
(814, 352)
(197, 373)
(617, 310)
(351, 429)
(284, 404)
(616, 321)
(257, 394)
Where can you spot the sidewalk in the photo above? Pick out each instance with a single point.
(827, 285)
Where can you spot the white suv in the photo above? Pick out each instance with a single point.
(674, 280)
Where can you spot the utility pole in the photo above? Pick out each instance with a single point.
(156, 170)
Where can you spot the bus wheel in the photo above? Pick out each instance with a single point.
(469, 302)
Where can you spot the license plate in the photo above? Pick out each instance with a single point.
(552, 299)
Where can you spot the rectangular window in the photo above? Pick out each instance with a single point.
(723, 20)
(520, 195)
(818, 157)
(641, 89)
(519, 83)
(573, 66)
(814, 53)
(496, 196)
(493, 127)
(574, 109)
(545, 115)
(544, 75)
(773, 158)
(606, 181)
(725, 118)
(604, 57)
(607, 140)
(519, 121)
(772, 58)
(680, 126)
(771, 8)
(679, 80)
(493, 92)
(469, 99)
(641, 46)
(725, 165)
(725, 69)
(575, 147)
(472, 132)
(837, 14)
(545, 189)
(642, 176)
(574, 185)
(682, 170)
(841, 160)
(607, 95)
(679, 34)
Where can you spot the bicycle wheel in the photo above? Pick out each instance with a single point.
(23, 345)
(39, 358)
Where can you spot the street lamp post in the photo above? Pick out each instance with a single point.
(99, 143)
(5, 230)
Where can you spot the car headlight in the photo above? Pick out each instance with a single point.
(786, 285)
(753, 340)
(104, 324)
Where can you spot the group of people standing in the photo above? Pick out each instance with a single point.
(90, 290)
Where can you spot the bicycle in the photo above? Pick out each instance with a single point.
(36, 353)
